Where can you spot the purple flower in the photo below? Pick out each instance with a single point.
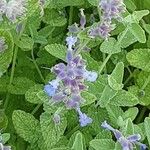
(82, 19)
(83, 118)
(71, 41)
(15, 9)
(3, 46)
(73, 28)
(127, 143)
(90, 76)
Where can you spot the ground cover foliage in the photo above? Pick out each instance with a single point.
(74, 74)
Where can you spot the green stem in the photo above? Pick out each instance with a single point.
(12, 75)
(139, 118)
(36, 109)
(68, 135)
(36, 66)
(105, 68)
(104, 63)
(70, 15)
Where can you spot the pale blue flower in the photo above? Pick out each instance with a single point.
(127, 143)
(71, 41)
(82, 19)
(90, 76)
(83, 118)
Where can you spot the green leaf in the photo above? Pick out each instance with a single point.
(51, 132)
(57, 50)
(110, 46)
(114, 113)
(88, 97)
(106, 96)
(130, 4)
(116, 78)
(129, 128)
(26, 125)
(140, 58)
(94, 2)
(138, 15)
(20, 85)
(5, 137)
(138, 32)
(147, 128)
(124, 98)
(102, 144)
(31, 94)
(53, 18)
(6, 56)
(130, 113)
(26, 43)
(126, 38)
(78, 142)
(146, 27)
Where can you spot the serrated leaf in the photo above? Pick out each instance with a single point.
(88, 97)
(106, 96)
(5, 137)
(116, 78)
(53, 18)
(57, 50)
(130, 113)
(114, 113)
(6, 56)
(78, 142)
(103, 144)
(138, 32)
(129, 128)
(110, 46)
(20, 85)
(138, 15)
(25, 43)
(31, 94)
(124, 98)
(51, 132)
(140, 58)
(26, 125)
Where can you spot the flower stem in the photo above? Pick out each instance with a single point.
(36, 109)
(70, 15)
(146, 83)
(12, 75)
(36, 66)
(139, 118)
(104, 63)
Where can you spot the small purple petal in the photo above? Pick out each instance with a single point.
(82, 19)
(133, 138)
(69, 56)
(56, 119)
(83, 118)
(71, 41)
(90, 76)
(105, 125)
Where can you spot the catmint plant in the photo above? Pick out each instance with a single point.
(127, 143)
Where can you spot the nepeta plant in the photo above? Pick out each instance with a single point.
(66, 66)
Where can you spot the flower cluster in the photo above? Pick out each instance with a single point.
(111, 9)
(127, 143)
(69, 83)
(3, 46)
(13, 9)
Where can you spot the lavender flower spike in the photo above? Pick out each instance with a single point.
(51, 88)
(71, 41)
(127, 143)
(83, 118)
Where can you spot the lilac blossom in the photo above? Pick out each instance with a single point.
(2, 147)
(71, 41)
(13, 9)
(83, 118)
(111, 9)
(127, 143)
(3, 46)
(82, 19)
